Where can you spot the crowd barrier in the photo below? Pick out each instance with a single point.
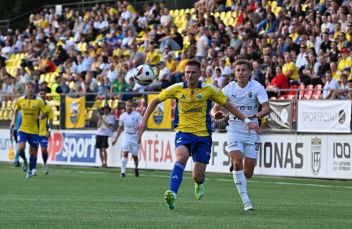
(292, 155)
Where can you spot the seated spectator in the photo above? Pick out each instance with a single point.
(290, 70)
(343, 91)
(330, 85)
(278, 83)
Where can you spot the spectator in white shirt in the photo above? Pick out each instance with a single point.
(330, 85)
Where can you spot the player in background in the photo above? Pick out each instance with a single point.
(106, 124)
(31, 106)
(45, 125)
(247, 95)
(13, 135)
(129, 121)
(193, 127)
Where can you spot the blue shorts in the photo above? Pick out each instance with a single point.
(32, 139)
(198, 147)
(43, 141)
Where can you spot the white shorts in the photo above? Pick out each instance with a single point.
(130, 144)
(247, 143)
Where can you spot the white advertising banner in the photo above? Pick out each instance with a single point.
(324, 116)
(304, 155)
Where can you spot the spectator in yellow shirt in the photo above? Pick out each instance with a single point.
(346, 60)
(289, 69)
(153, 55)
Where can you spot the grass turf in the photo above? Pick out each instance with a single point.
(75, 197)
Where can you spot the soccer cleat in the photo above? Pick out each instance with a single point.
(136, 172)
(34, 172)
(170, 198)
(123, 174)
(25, 166)
(248, 206)
(46, 169)
(199, 191)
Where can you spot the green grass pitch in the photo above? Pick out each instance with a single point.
(76, 197)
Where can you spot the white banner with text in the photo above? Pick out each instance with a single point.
(324, 116)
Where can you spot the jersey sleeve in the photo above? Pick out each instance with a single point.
(262, 95)
(168, 92)
(121, 121)
(217, 96)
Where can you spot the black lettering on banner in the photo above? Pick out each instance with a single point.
(341, 150)
(267, 145)
(289, 156)
(278, 154)
(299, 155)
(226, 163)
(214, 154)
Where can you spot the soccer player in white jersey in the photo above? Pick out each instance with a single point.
(129, 121)
(247, 95)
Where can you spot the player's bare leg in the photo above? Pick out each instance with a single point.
(198, 175)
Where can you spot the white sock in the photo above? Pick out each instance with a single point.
(123, 164)
(241, 184)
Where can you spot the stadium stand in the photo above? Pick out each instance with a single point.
(94, 51)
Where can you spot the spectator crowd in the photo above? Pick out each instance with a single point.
(96, 50)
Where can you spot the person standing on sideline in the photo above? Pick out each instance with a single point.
(129, 121)
(193, 127)
(45, 125)
(106, 124)
(247, 95)
(31, 106)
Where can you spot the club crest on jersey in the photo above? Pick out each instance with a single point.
(250, 95)
(199, 96)
(183, 97)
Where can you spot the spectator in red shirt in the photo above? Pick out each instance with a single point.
(279, 82)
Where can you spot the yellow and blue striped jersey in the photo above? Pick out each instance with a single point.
(30, 111)
(193, 106)
(43, 123)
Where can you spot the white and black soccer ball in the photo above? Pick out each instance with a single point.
(144, 75)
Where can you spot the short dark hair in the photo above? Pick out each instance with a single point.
(243, 62)
(194, 62)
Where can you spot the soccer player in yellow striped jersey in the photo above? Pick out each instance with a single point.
(31, 106)
(44, 130)
(193, 127)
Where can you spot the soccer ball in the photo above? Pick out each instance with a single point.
(144, 75)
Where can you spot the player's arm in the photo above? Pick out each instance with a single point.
(151, 107)
(233, 110)
(15, 114)
(216, 112)
(118, 133)
(264, 111)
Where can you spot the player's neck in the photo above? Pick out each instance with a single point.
(192, 85)
(242, 84)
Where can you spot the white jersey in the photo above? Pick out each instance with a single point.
(104, 130)
(247, 100)
(130, 122)
(130, 139)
